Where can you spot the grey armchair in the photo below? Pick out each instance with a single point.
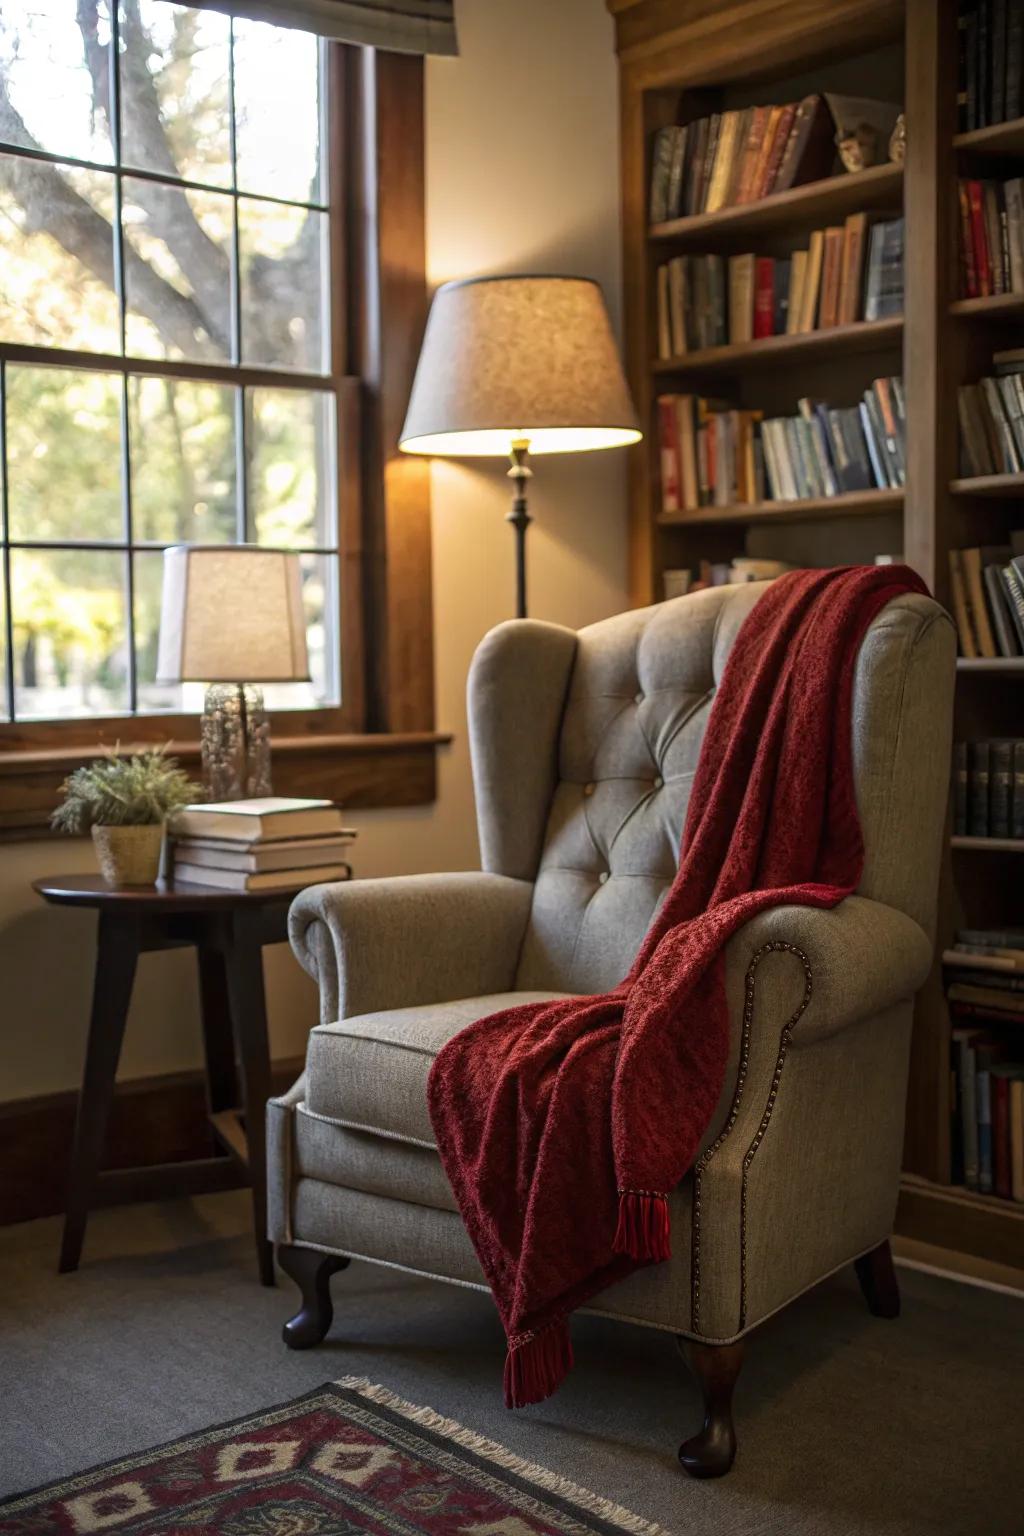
(584, 748)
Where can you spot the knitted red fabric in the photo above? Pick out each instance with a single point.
(563, 1126)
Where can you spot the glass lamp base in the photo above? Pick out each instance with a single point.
(235, 742)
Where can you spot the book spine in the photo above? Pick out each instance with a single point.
(982, 262)
(969, 1114)
(997, 56)
(778, 149)
(1017, 1139)
(669, 454)
(978, 790)
(1014, 59)
(968, 268)
(1000, 788)
(764, 297)
(1001, 1135)
(984, 1092)
(960, 780)
(780, 306)
(1017, 796)
(661, 158)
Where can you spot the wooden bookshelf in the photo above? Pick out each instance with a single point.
(989, 844)
(851, 504)
(770, 351)
(996, 664)
(679, 62)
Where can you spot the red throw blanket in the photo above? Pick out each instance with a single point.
(563, 1126)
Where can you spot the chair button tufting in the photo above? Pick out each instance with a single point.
(638, 698)
(602, 877)
(659, 782)
(588, 789)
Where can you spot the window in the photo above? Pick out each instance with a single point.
(165, 338)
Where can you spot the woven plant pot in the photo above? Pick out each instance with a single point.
(129, 855)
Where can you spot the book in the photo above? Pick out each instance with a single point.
(797, 278)
(958, 588)
(661, 160)
(664, 316)
(764, 297)
(831, 273)
(978, 789)
(255, 858)
(960, 781)
(1017, 1139)
(271, 880)
(267, 819)
(1000, 789)
(669, 450)
(741, 298)
(971, 562)
(722, 166)
(1017, 795)
(852, 268)
(810, 148)
(812, 282)
(751, 153)
(883, 295)
(966, 1073)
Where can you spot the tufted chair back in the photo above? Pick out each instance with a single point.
(585, 746)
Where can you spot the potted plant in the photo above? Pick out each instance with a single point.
(124, 802)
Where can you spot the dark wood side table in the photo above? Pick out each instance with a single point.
(228, 930)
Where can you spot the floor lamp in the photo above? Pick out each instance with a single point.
(515, 367)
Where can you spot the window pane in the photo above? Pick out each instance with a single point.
(175, 107)
(320, 600)
(57, 256)
(182, 437)
(284, 259)
(277, 111)
(70, 643)
(5, 703)
(63, 454)
(154, 697)
(55, 76)
(177, 271)
(291, 448)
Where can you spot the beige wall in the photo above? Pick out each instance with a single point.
(522, 175)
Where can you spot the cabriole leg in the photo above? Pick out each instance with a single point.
(716, 1366)
(312, 1273)
(877, 1275)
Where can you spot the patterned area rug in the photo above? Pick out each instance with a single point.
(349, 1459)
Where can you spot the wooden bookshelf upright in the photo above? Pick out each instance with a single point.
(680, 60)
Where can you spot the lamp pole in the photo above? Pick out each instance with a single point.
(519, 517)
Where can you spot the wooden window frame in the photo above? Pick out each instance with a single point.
(378, 747)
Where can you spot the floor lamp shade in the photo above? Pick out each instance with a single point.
(231, 614)
(518, 359)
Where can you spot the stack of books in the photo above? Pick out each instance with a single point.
(991, 237)
(714, 455)
(985, 989)
(991, 414)
(988, 788)
(848, 272)
(990, 80)
(987, 584)
(260, 845)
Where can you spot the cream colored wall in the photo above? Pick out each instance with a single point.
(522, 175)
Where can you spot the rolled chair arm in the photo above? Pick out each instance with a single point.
(414, 939)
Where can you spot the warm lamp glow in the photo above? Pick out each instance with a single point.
(527, 359)
(492, 443)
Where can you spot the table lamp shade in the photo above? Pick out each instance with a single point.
(231, 614)
(518, 358)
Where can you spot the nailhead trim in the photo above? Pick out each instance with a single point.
(774, 947)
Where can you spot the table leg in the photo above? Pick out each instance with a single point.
(218, 1044)
(243, 957)
(117, 951)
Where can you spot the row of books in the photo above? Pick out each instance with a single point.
(264, 844)
(991, 237)
(715, 455)
(739, 156)
(987, 585)
(721, 573)
(990, 88)
(988, 788)
(985, 993)
(991, 414)
(710, 300)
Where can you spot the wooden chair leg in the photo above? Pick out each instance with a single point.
(312, 1273)
(716, 1366)
(877, 1275)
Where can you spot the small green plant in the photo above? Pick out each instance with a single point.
(116, 791)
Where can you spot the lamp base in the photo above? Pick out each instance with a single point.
(235, 742)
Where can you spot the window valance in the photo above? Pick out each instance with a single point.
(400, 26)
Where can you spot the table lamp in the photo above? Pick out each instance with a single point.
(513, 366)
(232, 617)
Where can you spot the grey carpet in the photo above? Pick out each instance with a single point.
(848, 1426)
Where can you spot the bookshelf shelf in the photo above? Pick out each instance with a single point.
(863, 336)
(853, 504)
(996, 307)
(969, 1222)
(1011, 486)
(877, 189)
(989, 844)
(1004, 664)
(997, 139)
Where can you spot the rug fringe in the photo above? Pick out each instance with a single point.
(643, 1230)
(551, 1482)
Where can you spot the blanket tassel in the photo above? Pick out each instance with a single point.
(537, 1364)
(643, 1230)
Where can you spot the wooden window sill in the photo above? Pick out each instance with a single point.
(359, 771)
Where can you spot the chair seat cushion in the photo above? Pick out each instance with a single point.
(370, 1072)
